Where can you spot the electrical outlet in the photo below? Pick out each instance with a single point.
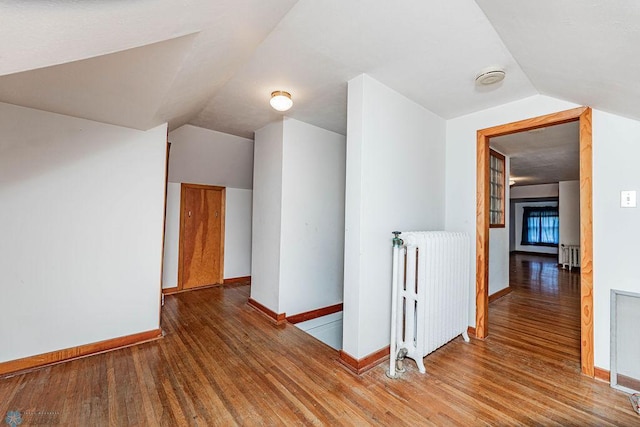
(628, 199)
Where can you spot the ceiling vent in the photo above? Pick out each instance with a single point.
(490, 75)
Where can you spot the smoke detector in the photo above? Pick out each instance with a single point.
(490, 76)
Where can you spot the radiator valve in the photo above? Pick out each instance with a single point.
(402, 353)
(397, 241)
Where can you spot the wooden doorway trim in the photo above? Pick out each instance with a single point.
(583, 115)
(164, 224)
(181, 253)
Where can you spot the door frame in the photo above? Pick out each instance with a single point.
(164, 224)
(583, 116)
(183, 186)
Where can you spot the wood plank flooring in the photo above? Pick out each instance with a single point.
(222, 363)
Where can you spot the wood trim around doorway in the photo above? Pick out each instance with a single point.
(164, 223)
(583, 115)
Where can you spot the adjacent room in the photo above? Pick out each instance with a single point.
(199, 199)
(542, 222)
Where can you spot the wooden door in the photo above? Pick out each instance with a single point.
(201, 236)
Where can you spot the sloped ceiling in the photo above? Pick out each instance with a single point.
(581, 51)
(182, 52)
(119, 88)
(427, 50)
(213, 63)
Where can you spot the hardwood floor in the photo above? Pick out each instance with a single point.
(544, 306)
(222, 363)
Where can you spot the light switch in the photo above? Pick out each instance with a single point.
(628, 199)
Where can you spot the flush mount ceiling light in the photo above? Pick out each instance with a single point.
(490, 75)
(281, 100)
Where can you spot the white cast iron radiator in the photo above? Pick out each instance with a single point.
(430, 296)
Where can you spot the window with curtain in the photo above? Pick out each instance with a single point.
(496, 189)
(540, 226)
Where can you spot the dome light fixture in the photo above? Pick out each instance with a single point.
(281, 100)
(490, 75)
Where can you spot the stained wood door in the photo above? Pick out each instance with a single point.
(201, 236)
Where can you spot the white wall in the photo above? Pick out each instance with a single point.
(312, 245)
(395, 181)
(237, 233)
(171, 237)
(203, 156)
(267, 214)
(208, 157)
(569, 210)
(81, 225)
(498, 259)
(499, 244)
(531, 248)
(461, 165)
(298, 213)
(534, 191)
(615, 230)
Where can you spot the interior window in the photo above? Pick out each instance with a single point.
(496, 189)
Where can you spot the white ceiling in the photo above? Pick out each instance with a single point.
(584, 51)
(213, 63)
(106, 88)
(36, 35)
(542, 156)
(427, 50)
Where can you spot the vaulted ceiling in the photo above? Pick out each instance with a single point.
(213, 63)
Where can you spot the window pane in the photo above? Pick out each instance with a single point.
(496, 188)
(540, 226)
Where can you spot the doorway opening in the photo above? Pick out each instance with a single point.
(583, 116)
(201, 248)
